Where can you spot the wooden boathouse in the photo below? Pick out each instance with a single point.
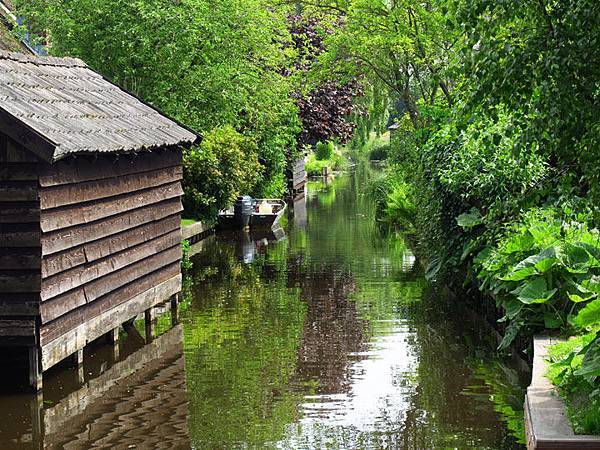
(90, 207)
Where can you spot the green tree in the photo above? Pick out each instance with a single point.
(208, 64)
(407, 46)
(224, 166)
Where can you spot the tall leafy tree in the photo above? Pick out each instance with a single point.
(208, 64)
(407, 46)
(540, 60)
(325, 108)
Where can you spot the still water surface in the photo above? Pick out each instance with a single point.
(322, 336)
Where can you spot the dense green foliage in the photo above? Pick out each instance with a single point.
(324, 150)
(495, 159)
(495, 162)
(545, 272)
(314, 165)
(225, 164)
(208, 64)
(573, 373)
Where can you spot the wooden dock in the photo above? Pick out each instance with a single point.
(196, 232)
(546, 423)
(298, 177)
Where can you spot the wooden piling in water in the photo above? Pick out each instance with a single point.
(35, 368)
(175, 309)
(150, 324)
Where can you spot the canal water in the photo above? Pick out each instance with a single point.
(322, 335)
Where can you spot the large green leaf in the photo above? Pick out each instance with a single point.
(590, 285)
(470, 219)
(520, 274)
(546, 259)
(539, 263)
(511, 333)
(551, 320)
(433, 268)
(576, 298)
(535, 291)
(513, 308)
(576, 259)
(591, 362)
(589, 317)
(593, 250)
(519, 243)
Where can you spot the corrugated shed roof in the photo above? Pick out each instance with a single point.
(78, 111)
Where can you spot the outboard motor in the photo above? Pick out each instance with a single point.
(242, 211)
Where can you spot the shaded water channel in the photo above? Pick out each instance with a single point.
(325, 335)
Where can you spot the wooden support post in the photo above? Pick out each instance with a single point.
(37, 424)
(113, 338)
(78, 358)
(78, 363)
(35, 369)
(175, 309)
(150, 323)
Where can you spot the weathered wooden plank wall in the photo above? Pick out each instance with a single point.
(299, 175)
(110, 232)
(20, 248)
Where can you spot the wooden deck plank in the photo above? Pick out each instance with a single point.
(81, 275)
(73, 317)
(128, 274)
(18, 192)
(22, 304)
(20, 239)
(86, 253)
(67, 172)
(20, 212)
(20, 281)
(17, 327)
(19, 172)
(62, 304)
(20, 258)
(104, 247)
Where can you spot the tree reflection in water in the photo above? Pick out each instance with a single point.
(331, 338)
(326, 338)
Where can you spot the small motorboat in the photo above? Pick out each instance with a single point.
(253, 213)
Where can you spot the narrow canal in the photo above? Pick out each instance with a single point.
(323, 336)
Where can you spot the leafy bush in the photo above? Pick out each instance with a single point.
(394, 202)
(545, 273)
(573, 371)
(186, 262)
(314, 166)
(487, 165)
(224, 166)
(379, 152)
(324, 150)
